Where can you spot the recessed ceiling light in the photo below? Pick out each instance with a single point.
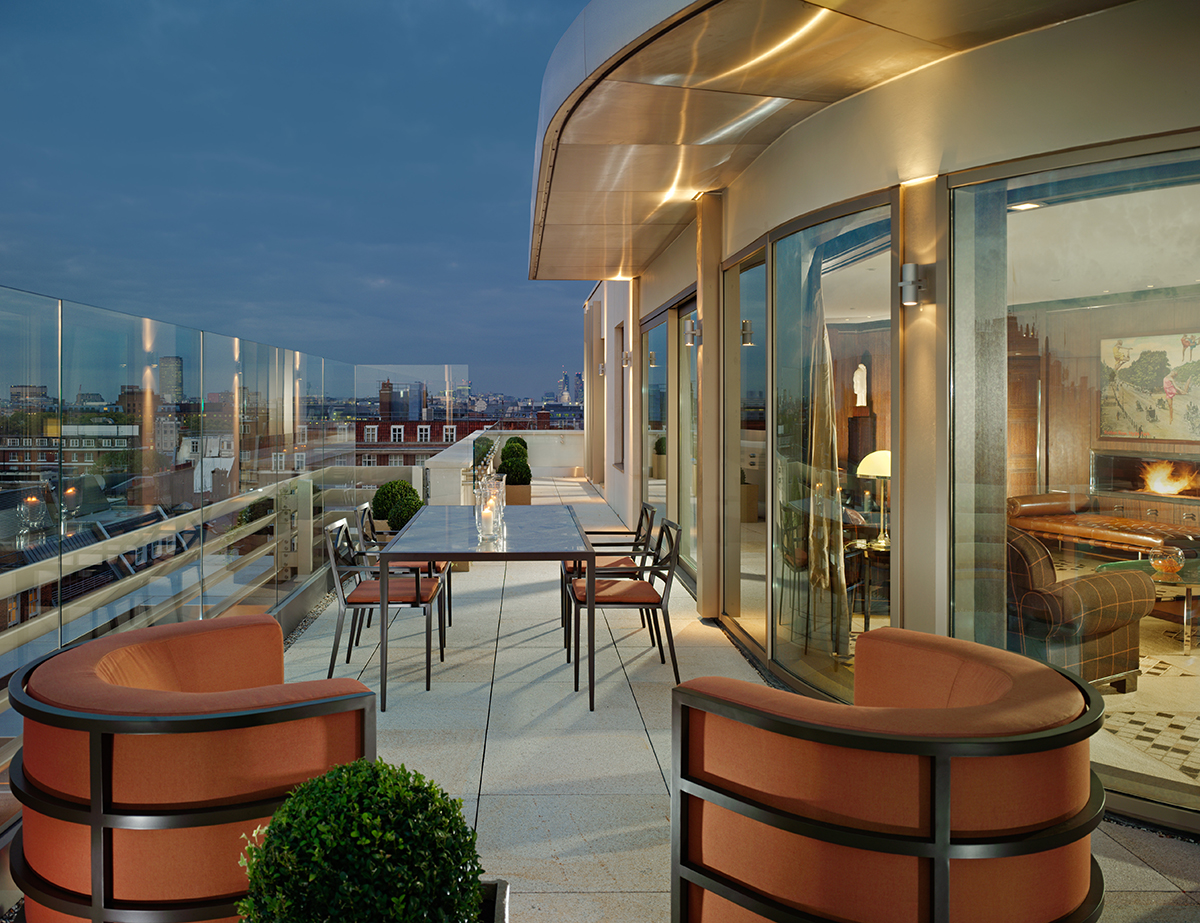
(1025, 206)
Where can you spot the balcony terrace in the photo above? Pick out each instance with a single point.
(572, 807)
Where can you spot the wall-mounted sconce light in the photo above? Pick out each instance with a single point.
(910, 284)
(600, 370)
(747, 333)
(625, 359)
(653, 360)
(692, 331)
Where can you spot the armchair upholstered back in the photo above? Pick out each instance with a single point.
(1090, 624)
(190, 738)
(786, 807)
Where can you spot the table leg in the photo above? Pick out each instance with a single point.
(591, 604)
(1188, 621)
(866, 590)
(383, 620)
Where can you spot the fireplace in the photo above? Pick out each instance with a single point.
(1141, 476)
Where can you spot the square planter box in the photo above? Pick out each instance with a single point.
(518, 494)
(495, 901)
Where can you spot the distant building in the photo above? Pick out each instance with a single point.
(28, 396)
(579, 387)
(170, 378)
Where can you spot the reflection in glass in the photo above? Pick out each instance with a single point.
(1077, 429)
(688, 431)
(654, 413)
(833, 307)
(746, 450)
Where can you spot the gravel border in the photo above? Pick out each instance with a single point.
(299, 630)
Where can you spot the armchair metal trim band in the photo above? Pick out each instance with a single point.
(939, 846)
(102, 815)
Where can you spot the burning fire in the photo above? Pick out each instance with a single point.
(1160, 477)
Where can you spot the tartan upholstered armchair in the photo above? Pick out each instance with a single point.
(1088, 624)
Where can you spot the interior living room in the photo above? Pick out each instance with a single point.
(1103, 444)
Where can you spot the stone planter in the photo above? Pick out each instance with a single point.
(495, 901)
(518, 494)
(749, 503)
(658, 467)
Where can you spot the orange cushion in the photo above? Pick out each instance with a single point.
(401, 591)
(619, 592)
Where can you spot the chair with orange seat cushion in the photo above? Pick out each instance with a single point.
(371, 541)
(638, 592)
(148, 754)
(415, 590)
(633, 548)
(957, 788)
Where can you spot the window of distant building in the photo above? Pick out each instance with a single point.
(368, 461)
(42, 457)
(42, 442)
(89, 458)
(26, 442)
(398, 433)
(89, 443)
(246, 458)
(423, 433)
(395, 460)
(278, 461)
(449, 433)
(106, 443)
(298, 461)
(121, 442)
(195, 444)
(370, 434)
(28, 456)
(245, 429)
(74, 456)
(302, 434)
(74, 442)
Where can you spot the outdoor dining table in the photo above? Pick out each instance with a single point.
(528, 533)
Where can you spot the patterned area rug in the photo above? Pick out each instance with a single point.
(1152, 666)
(1168, 738)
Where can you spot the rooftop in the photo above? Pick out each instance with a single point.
(572, 807)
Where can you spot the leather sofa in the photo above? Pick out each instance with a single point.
(188, 737)
(957, 787)
(1090, 624)
(1077, 519)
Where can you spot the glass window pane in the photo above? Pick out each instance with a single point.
(746, 450)
(689, 449)
(832, 560)
(1076, 304)
(654, 413)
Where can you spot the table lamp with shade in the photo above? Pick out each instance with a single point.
(878, 465)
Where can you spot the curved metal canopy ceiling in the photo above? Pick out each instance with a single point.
(647, 103)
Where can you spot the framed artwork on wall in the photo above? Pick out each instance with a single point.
(1150, 389)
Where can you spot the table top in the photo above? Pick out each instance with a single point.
(534, 533)
(1189, 575)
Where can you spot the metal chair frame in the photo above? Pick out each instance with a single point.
(341, 559)
(370, 543)
(661, 567)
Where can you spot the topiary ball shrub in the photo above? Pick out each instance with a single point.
(660, 445)
(408, 501)
(517, 469)
(364, 843)
(518, 440)
(385, 497)
(513, 450)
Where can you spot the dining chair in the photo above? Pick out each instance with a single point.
(412, 590)
(638, 592)
(371, 541)
(636, 549)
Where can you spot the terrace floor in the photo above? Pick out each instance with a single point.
(572, 807)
